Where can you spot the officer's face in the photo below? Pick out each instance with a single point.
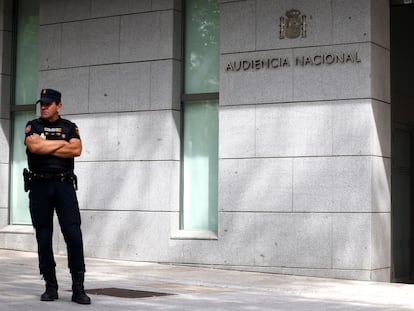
(50, 111)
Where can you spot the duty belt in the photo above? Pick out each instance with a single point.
(48, 175)
(65, 176)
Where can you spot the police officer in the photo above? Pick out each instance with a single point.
(52, 143)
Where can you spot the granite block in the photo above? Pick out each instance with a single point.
(120, 87)
(337, 184)
(294, 130)
(133, 186)
(237, 126)
(147, 36)
(352, 245)
(254, 78)
(73, 84)
(101, 8)
(4, 141)
(50, 41)
(237, 26)
(293, 240)
(255, 185)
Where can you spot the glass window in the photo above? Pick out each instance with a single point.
(23, 109)
(202, 56)
(200, 116)
(200, 166)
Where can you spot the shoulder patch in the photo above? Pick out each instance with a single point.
(77, 131)
(28, 129)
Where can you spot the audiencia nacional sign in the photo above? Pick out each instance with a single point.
(293, 25)
(299, 61)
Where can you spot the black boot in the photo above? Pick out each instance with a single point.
(78, 291)
(51, 286)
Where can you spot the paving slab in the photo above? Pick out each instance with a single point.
(190, 288)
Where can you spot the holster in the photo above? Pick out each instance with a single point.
(27, 177)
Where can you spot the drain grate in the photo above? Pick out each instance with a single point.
(124, 293)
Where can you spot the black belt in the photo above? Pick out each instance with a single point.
(48, 175)
(65, 176)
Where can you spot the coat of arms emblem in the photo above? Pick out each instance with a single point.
(292, 25)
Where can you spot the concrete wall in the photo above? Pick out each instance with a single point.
(304, 151)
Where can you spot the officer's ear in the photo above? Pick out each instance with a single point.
(59, 106)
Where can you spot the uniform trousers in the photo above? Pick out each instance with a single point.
(46, 196)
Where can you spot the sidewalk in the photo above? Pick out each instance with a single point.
(191, 288)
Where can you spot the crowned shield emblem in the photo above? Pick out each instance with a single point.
(293, 25)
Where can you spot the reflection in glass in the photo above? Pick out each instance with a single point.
(202, 46)
(200, 169)
(27, 52)
(18, 198)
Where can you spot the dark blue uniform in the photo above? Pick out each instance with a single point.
(52, 188)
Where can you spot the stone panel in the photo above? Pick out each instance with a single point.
(165, 84)
(57, 11)
(147, 36)
(350, 23)
(6, 52)
(101, 8)
(200, 251)
(352, 128)
(50, 43)
(381, 74)
(361, 128)
(6, 15)
(338, 184)
(71, 44)
(4, 185)
(380, 22)
(154, 136)
(319, 23)
(381, 185)
(130, 136)
(18, 241)
(352, 245)
(328, 22)
(132, 234)
(120, 87)
(135, 86)
(350, 79)
(381, 133)
(381, 241)
(237, 127)
(4, 141)
(237, 230)
(90, 42)
(293, 130)
(293, 240)
(255, 185)
(73, 83)
(167, 5)
(5, 96)
(133, 186)
(4, 217)
(265, 85)
(237, 27)
(51, 11)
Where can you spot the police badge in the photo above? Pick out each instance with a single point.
(293, 25)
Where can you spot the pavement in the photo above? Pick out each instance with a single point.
(190, 288)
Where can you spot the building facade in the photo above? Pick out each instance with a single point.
(253, 135)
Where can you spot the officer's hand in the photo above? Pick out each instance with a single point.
(34, 136)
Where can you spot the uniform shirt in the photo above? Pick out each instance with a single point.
(58, 130)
